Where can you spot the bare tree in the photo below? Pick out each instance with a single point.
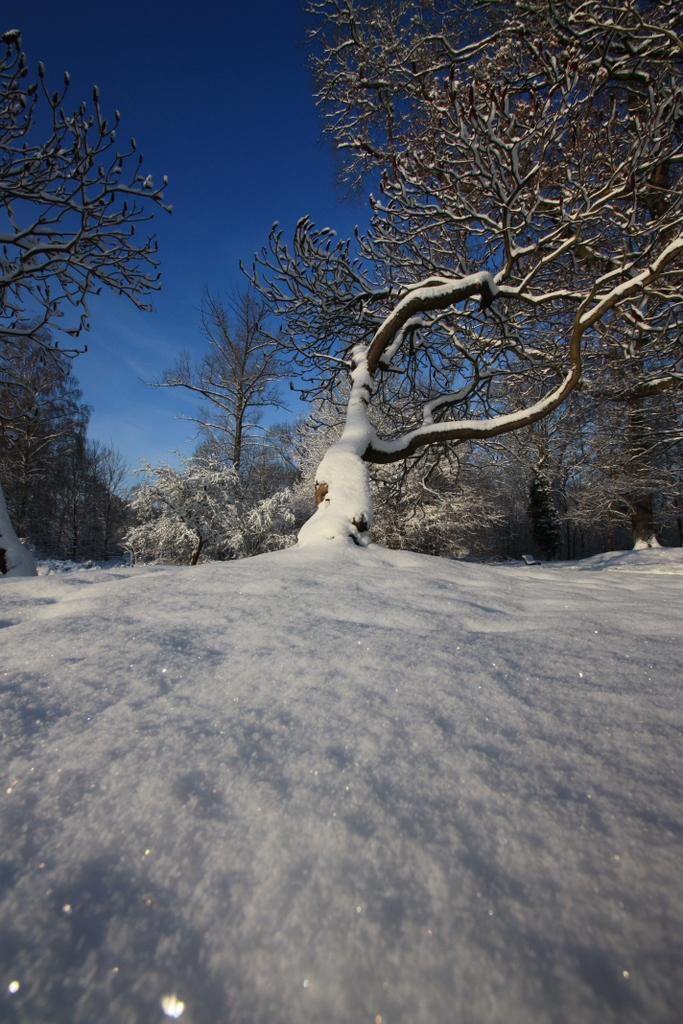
(71, 200)
(110, 511)
(238, 375)
(527, 158)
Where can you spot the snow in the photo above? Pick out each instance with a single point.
(340, 784)
(348, 499)
(632, 284)
(347, 502)
(17, 560)
(452, 429)
(432, 293)
(49, 566)
(651, 542)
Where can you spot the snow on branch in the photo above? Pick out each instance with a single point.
(526, 168)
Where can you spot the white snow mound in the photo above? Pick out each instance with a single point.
(339, 785)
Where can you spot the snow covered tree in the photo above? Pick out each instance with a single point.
(199, 512)
(267, 524)
(450, 507)
(525, 160)
(440, 502)
(70, 200)
(182, 511)
(628, 473)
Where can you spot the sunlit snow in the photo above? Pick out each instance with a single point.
(343, 785)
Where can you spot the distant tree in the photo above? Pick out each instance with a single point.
(70, 201)
(526, 160)
(238, 376)
(41, 418)
(543, 514)
(635, 410)
(110, 511)
(451, 514)
(90, 514)
(622, 471)
(64, 492)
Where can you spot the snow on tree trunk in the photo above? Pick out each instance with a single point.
(15, 559)
(194, 558)
(342, 482)
(651, 542)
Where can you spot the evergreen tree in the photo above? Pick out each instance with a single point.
(544, 518)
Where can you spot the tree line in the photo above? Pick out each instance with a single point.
(561, 488)
(65, 492)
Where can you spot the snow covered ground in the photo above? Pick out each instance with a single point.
(343, 787)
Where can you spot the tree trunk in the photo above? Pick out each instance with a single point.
(25, 489)
(639, 436)
(106, 526)
(239, 428)
(15, 559)
(642, 520)
(342, 484)
(197, 551)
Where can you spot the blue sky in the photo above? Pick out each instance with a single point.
(218, 97)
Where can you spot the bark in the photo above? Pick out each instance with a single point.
(237, 446)
(15, 559)
(640, 500)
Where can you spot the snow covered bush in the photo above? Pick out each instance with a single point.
(268, 525)
(200, 513)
